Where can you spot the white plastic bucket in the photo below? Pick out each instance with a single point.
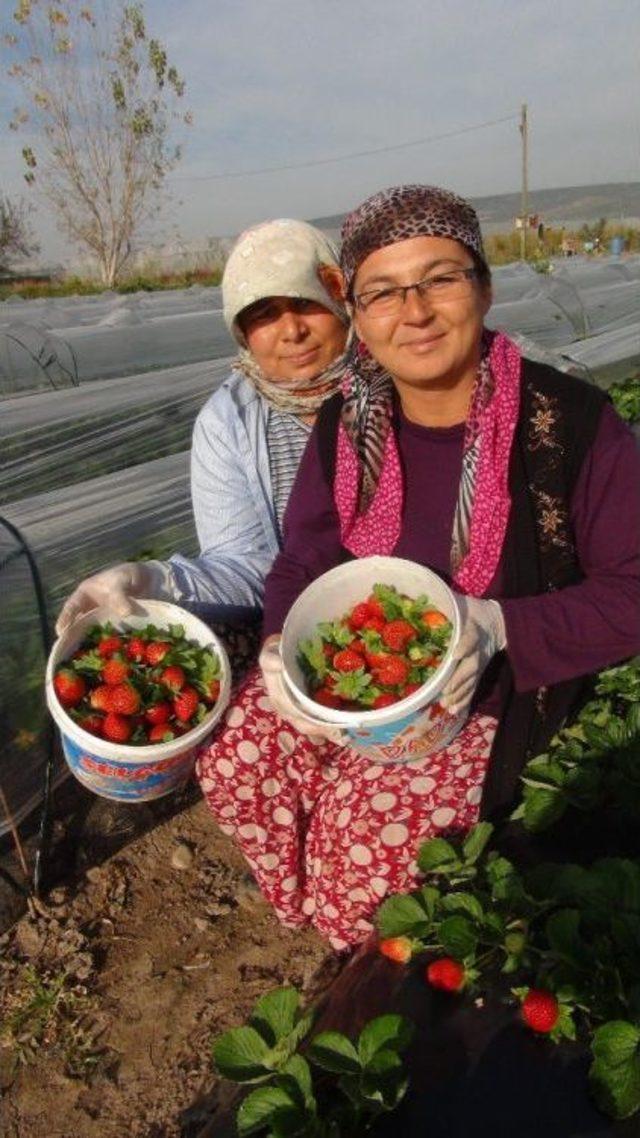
(410, 729)
(119, 771)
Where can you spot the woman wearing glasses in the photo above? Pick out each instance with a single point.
(517, 484)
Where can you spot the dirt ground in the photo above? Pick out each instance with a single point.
(113, 989)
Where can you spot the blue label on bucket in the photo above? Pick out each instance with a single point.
(127, 781)
(383, 733)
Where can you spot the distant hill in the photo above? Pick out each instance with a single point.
(567, 205)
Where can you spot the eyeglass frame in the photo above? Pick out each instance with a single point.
(470, 273)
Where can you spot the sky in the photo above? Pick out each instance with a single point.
(286, 82)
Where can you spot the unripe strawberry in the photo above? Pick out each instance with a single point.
(446, 973)
(396, 948)
(540, 1010)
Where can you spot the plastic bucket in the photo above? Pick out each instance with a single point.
(410, 729)
(116, 770)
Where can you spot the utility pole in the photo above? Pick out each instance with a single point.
(524, 204)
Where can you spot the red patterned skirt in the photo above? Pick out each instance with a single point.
(327, 833)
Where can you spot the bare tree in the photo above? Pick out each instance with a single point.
(16, 238)
(100, 104)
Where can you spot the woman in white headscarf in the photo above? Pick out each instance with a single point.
(280, 290)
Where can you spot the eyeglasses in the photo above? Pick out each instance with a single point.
(451, 285)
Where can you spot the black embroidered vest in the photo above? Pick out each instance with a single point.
(558, 420)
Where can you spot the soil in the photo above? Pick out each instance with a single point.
(113, 988)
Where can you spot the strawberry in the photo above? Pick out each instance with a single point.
(433, 618)
(100, 698)
(92, 724)
(409, 689)
(375, 607)
(446, 974)
(385, 699)
(377, 659)
(173, 677)
(156, 651)
(396, 634)
(540, 1010)
(115, 671)
(326, 698)
(396, 948)
(108, 645)
(374, 624)
(158, 713)
(135, 649)
(124, 699)
(185, 704)
(116, 727)
(393, 672)
(69, 687)
(161, 733)
(347, 661)
(213, 691)
(359, 615)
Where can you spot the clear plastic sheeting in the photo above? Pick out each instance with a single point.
(56, 439)
(32, 358)
(24, 727)
(608, 358)
(143, 511)
(539, 317)
(72, 311)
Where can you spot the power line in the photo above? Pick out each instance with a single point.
(343, 157)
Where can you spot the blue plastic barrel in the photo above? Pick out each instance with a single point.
(617, 246)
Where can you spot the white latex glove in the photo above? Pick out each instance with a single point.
(116, 587)
(270, 662)
(483, 634)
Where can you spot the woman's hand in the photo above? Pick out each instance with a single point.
(483, 634)
(272, 673)
(116, 587)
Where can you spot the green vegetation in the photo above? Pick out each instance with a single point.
(149, 281)
(504, 248)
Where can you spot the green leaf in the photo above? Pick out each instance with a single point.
(563, 933)
(384, 1080)
(438, 855)
(465, 903)
(615, 1072)
(295, 1078)
(334, 1052)
(389, 1031)
(475, 842)
(542, 806)
(458, 937)
(274, 1015)
(258, 1109)
(403, 915)
(240, 1055)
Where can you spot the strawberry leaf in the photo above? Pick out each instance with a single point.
(615, 1072)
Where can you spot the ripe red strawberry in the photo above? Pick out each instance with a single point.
(108, 645)
(69, 687)
(124, 699)
(446, 973)
(540, 1010)
(397, 634)
(396, 948)
(173, 677)
(115, 671)
(347, 661)
(92, 724)
(156, 651)
(374, 624)
(135, 649)
(385, 699)
(409, 689)
(116, 727)
(375, 607)
(359, 615)
(376, 659)
(393, 672)
(327, 698)
(185, 704)
(100, 698)
(433, 618)
(161, 733)
(158, 712)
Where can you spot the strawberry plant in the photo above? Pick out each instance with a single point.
(626, 398)
(377, 654)
(322, 1086)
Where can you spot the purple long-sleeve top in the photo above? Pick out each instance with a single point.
(551, 637)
